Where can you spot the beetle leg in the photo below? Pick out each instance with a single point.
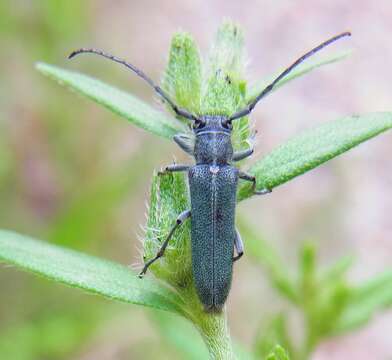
(239, 246)
(173, 168)
(181, 218)
(185, 142)
(248, 177)
(240, 155)
(262, 192)
(244, 176)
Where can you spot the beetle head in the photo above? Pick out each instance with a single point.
(212, 124)
(213, 139)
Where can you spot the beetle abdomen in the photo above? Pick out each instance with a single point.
(213, 198)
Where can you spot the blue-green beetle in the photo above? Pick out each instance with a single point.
(213, 186)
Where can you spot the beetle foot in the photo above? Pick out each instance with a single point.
(259, 192)
(165, 171)
(262, 192)
(147, 265)
(236, 258)
(143, 272)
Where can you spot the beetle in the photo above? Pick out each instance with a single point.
(213, 181)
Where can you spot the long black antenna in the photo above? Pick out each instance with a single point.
(179, 111)
(269, 88)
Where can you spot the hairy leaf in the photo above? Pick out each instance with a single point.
(86, 272)
(224, 81)
(168, 198)
(182, 78)
(313, 148)
(117, 101)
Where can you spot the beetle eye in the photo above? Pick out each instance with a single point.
(199, 124)
(227, 124)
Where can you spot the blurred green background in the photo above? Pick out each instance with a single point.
(74, 174)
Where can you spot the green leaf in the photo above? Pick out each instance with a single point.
(224, 82)
(86, 272)
(313, 148)
(336, 271)
(265, 255)
(302, 69)
(324, 309)
(365, 301)
(182, 78)
(278, 353)
(307, 270)
(168, 198)
(117, 101)
(274, 331)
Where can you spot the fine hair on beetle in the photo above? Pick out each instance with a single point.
(213, 184)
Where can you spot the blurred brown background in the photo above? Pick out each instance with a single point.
(74, 174)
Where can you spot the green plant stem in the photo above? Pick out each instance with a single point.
(211, 326)
(308, 346)
(214, 331)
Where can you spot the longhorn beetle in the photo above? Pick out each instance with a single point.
(213, 185)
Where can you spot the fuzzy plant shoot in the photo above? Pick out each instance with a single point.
(209, 102)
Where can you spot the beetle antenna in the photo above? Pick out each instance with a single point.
(270, 87)
(179, 111)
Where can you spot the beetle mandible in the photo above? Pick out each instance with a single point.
(213, 185)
